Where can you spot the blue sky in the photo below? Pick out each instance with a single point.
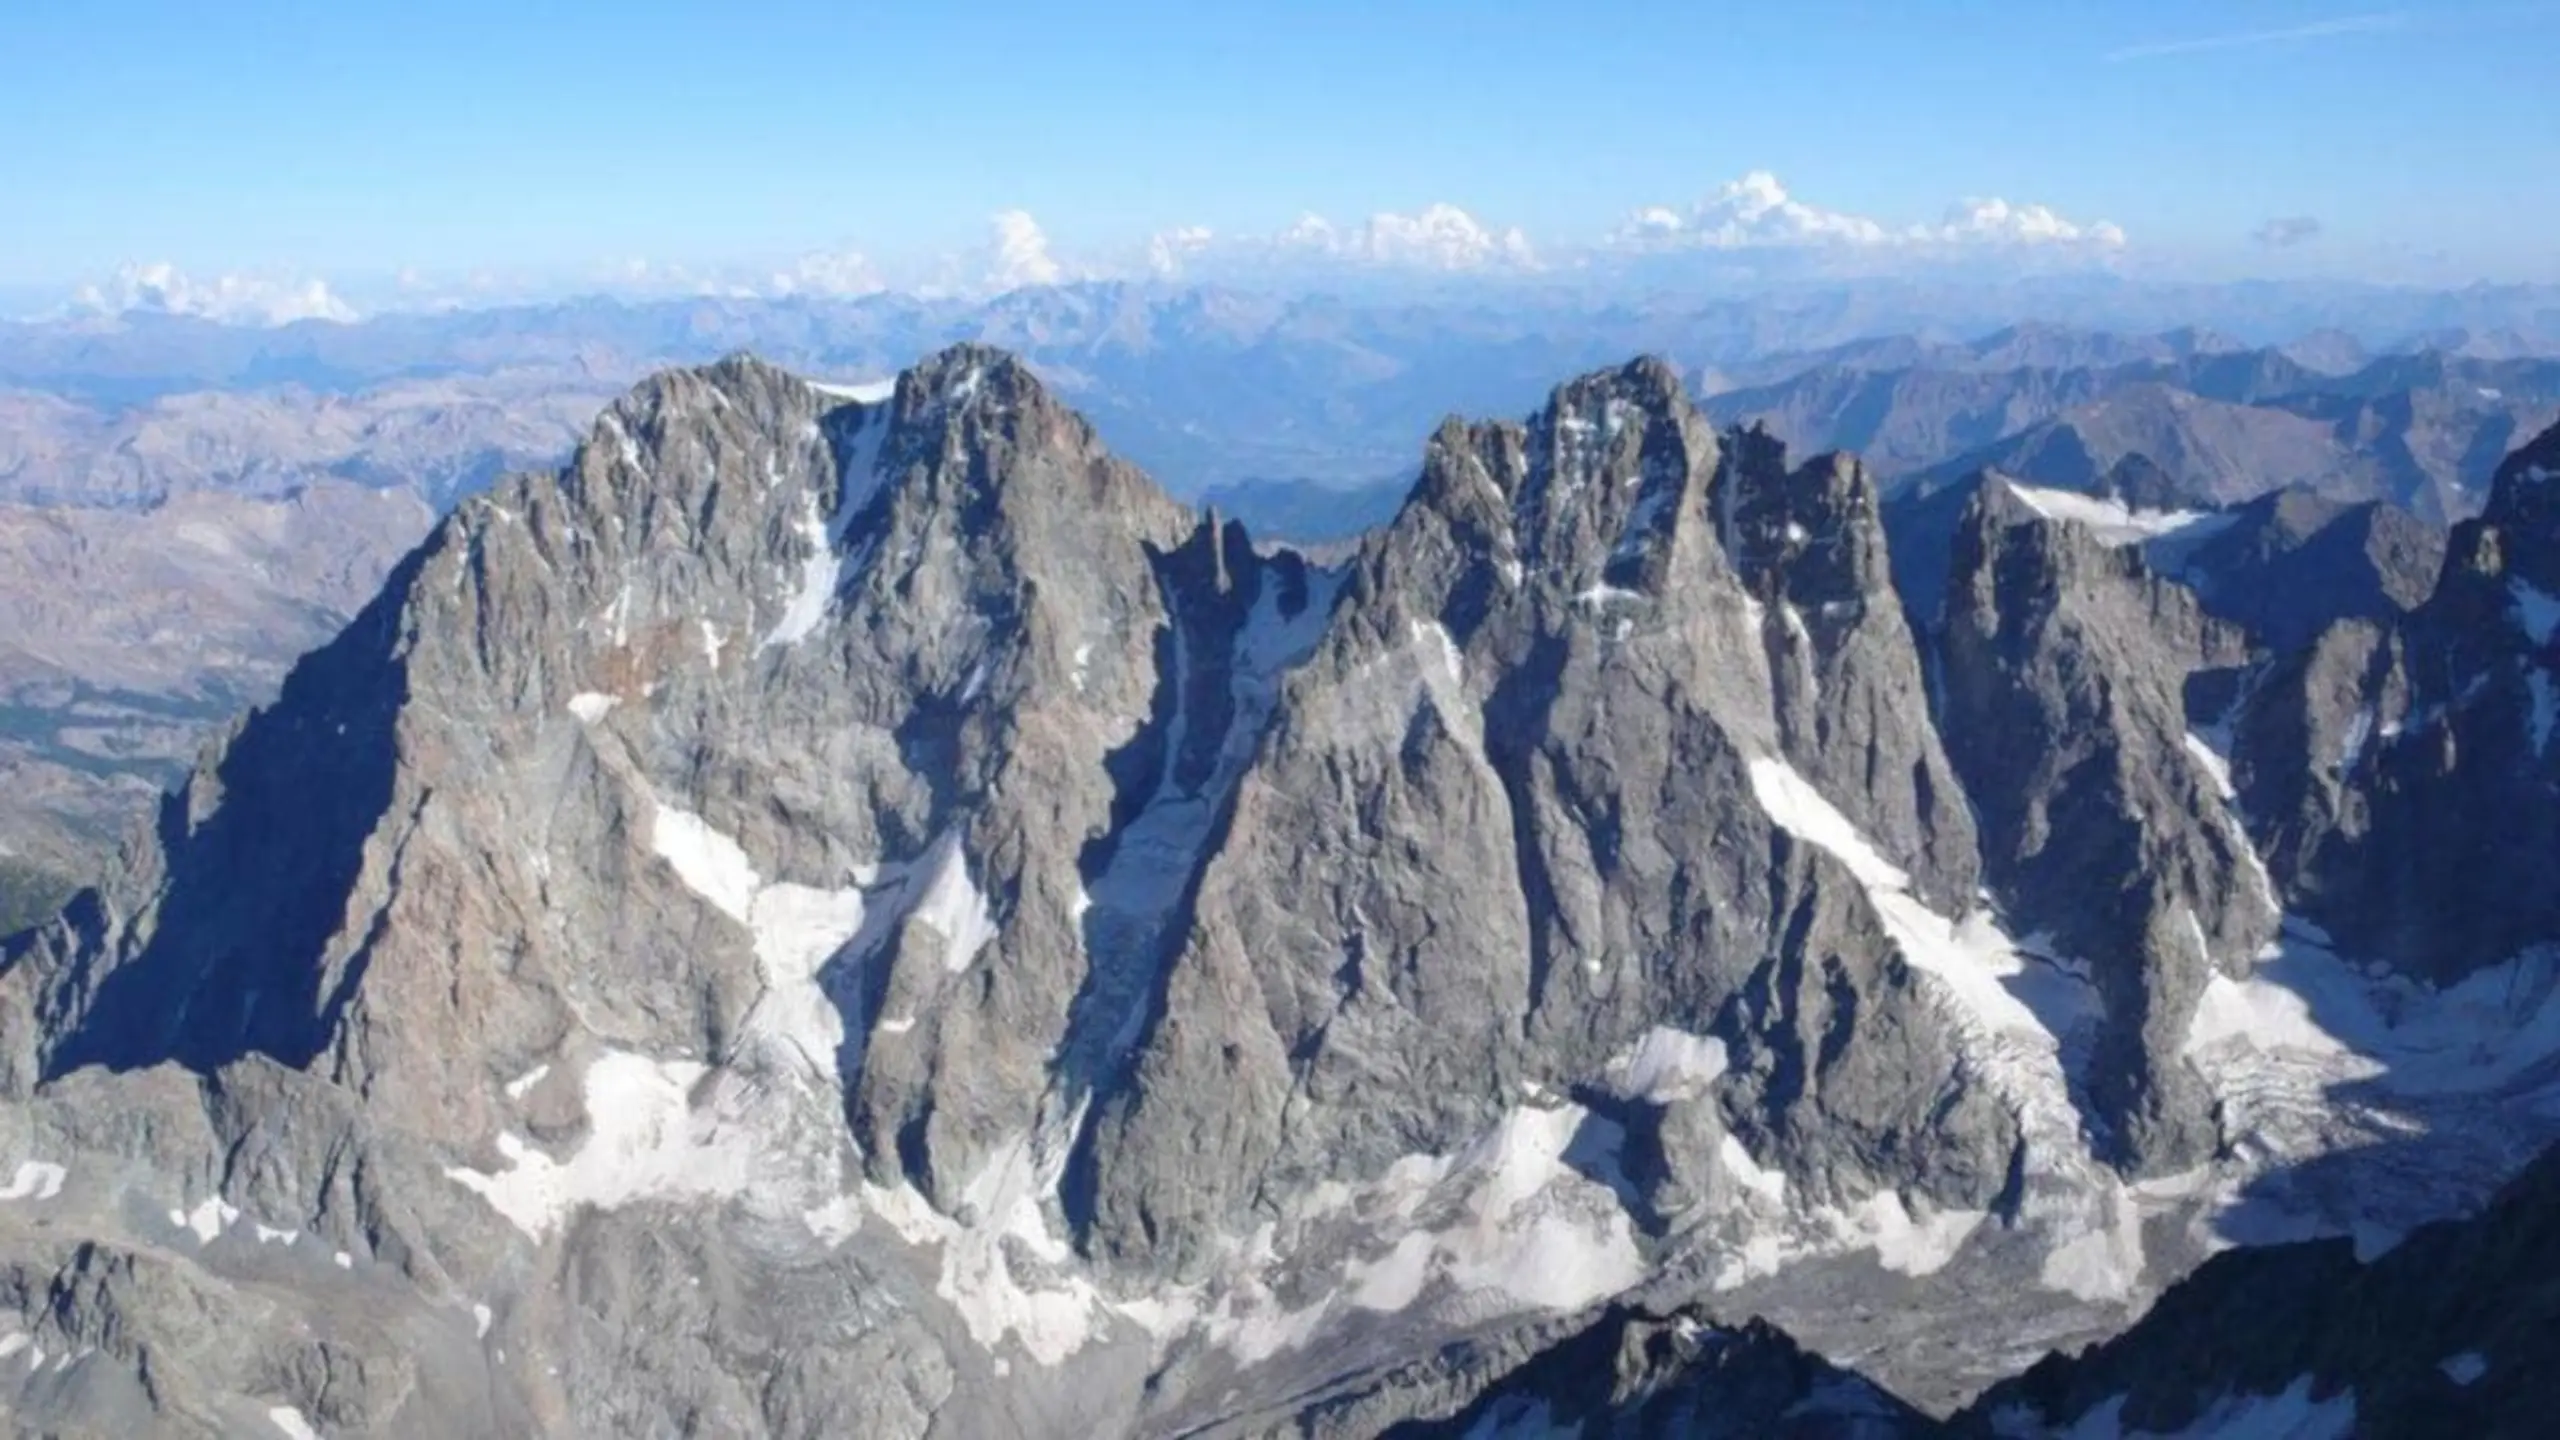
(360, 138)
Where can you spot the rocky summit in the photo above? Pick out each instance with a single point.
(852, 913)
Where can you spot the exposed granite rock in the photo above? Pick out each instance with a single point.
(2402, 776)
(1541, 691)
(2289, 564)
(830, 916)
(2066, 667)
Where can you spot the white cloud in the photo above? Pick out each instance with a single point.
(1756, 212)
(658, 279)
(160, 288)
(842, 273)
(2252, 39)
(1019, 253)
(1169, 250)
(1997, 222)
(1439, 237)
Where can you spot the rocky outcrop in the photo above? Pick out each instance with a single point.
(2402, 775)
(1543, 690)
(2066, 668)
(903, 810)
(2286, 566)
(861, 915)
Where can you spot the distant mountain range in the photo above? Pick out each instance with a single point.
(2177, 419)
(1207, 385)
(167, 453)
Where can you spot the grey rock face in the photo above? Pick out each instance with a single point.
(2404, 775)
(1540, 692)
(1810, 546)
(892, 645)
(2065, 673)
(830, 916)
(2287, 565)
(912, 795)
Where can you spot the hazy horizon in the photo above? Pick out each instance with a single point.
(265, 164)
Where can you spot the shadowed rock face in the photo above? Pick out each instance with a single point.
(2066, 667)
(2448, 1334)
(1636, 1375)
(2402, 773)
(2287, 566)
(880, 872)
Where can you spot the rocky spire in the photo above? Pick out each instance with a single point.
(2105, 824)
(2406, 772)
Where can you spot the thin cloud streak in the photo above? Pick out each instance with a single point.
(2247, 39)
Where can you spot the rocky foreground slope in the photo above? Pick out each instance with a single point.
(830, 917)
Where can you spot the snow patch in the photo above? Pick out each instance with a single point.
(523, 1084)
(292, 1422)
(480, 1319)
(2115, 522)
(2360, 733)
(2217, 766)
(1906, 1241)
(2015, 1015)
(2101, 1258)
(2305, 1002)
(829, 564)
(591, 707)
(2537, 610)
(646, 1141)
(1971, 959)
(1599, 596)
(955, 907)
(1667, 1065)
(861, 392)
(35, 1180)
(712, 641)
(797, 930)
(2465, 1368)
(269, 1235)
(207, 1220)
(711, 864)
(807, 607)
(1432, 635)
(1534, 1228)
(1046, 1308)
(1735, 1157)
(1522, 1224)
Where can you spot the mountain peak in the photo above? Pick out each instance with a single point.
(2524, 498)
(959, 374)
